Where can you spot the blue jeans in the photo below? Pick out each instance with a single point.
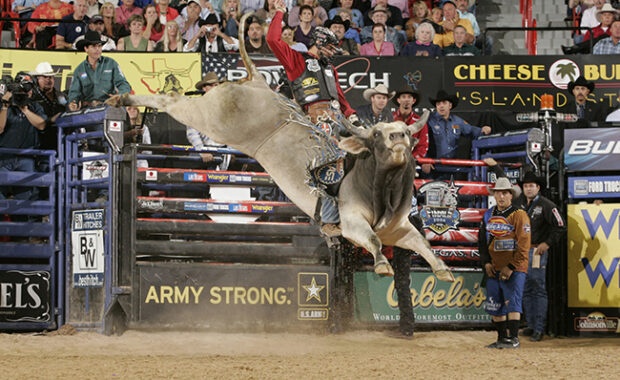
(329, 210)
(535, 294)
(17, 164)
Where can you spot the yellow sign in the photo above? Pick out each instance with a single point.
(147, 73)
(594, 255)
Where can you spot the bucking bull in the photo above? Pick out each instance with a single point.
(375, 195)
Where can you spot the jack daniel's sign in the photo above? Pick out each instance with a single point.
(25, 296)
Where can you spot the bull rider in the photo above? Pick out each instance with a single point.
(314, 83)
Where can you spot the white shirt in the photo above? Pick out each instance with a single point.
(588, 18)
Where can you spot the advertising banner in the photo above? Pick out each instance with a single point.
(434, 301)
(594, 186)
(592, 149)
(507, 84)
(146, 73)
(87, 248)
(230, 295)
(594, 255)
(25, 295)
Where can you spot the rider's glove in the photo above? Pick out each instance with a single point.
(353, 119)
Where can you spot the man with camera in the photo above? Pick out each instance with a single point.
(211, 39)
(20, 118)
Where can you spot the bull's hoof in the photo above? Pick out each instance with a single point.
(445, 275)
(384, 269)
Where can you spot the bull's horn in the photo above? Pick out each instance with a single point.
(247, 61)
(354, 130)
(418, 125)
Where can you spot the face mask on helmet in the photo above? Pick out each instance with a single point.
(322, 37)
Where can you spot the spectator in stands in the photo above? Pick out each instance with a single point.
(339, 27)
(206, 8)
(589, 19)
(378, 46)
(452, 19)
(51, 100)
(611, 44)
(289, 38)
(111, 28)
(423, 45)
(352, 33)
(72, 26)
(135, 41)
(379, 15)
(125, 11)
(211, 39)
(198, 140)
(447, 133)
(154, 29)
(231, 16)
(304, 29)
(420, 13)
(23, 7)
(406, 98)
(97, 77)
(20, 120)
(255, 41)
(504, 250)
(376, 111)
(357, 18)
(319, 14)
(96, 24)
(606, 16)
(172, 40)
(189, 20)
(394, 15)
(586, 110)
(250, 5)
(482, 42)
(459, 47)
(437, 16)
(92, 7)
(165, 12)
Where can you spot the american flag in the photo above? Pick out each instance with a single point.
(219, 63)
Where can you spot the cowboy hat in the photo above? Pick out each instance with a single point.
(44, 69)
(210, 20)
(580, 81)
(209, 78)
(531, 177)
(379, 8)
(380, 89)
(502, 183)
(90, 38)
(606, 8)
(338, 20)
(406, 90)
(442, 95)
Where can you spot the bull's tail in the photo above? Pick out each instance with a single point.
(253, 73)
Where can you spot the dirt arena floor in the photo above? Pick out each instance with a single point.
(352, 355)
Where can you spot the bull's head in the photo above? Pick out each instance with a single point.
(390, 142)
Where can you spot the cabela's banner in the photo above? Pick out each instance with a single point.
(489, 83)
(146, 73)
(594, 255)
(433, 301)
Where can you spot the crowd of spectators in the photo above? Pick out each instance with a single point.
(373, 27)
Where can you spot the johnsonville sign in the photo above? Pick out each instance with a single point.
(434, 301)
